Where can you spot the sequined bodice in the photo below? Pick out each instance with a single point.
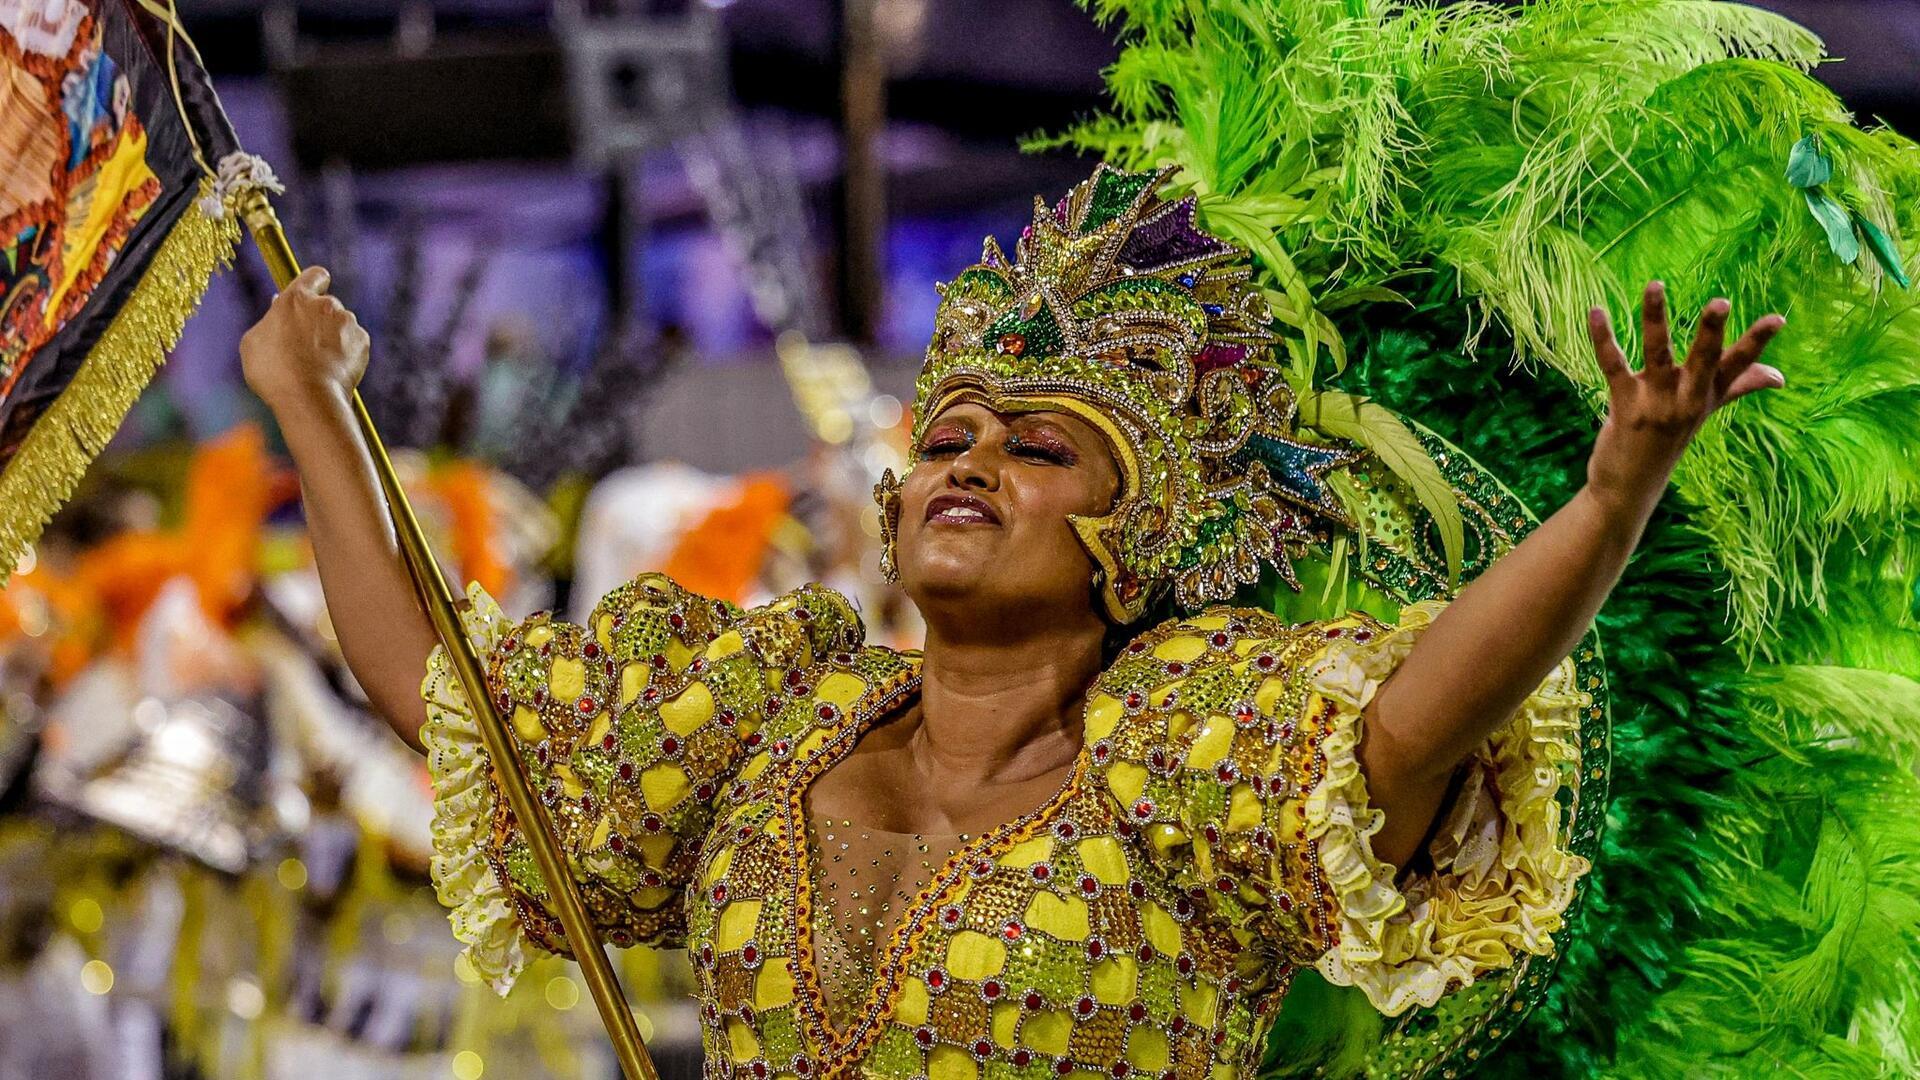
(1052, 942)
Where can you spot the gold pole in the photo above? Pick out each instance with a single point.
(437, 598)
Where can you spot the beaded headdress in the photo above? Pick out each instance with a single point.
(1119, 309)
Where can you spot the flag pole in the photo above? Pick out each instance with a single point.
(430, 585)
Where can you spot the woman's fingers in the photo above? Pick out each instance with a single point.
(314, 279)
(1742, 360)
(1755, 377)
(1606, 348)
(1709, 338)
(1655, 340)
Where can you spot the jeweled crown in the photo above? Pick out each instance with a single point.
(1119, 308)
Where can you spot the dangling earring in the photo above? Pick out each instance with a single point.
(887, 494)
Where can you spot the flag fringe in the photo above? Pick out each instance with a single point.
(61, 445)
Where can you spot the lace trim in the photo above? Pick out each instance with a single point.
(1502, 876)
(463, 879)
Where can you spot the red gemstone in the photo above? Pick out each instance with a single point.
(1137, 1012)
(923, 1036)
(1013, 344)
(1138, 889)
(992, 989)
(676, 620)
(616, 843)
(720, 893)
(1089, 885)
(591, 650)
(607, 742)
(1041, 871)
(651, 695)
(1033, 1001)
(1063, 1067)
(626, 770)
(1023, 1058)
(1143, 809)
(1013, 930)
(1084, 1007)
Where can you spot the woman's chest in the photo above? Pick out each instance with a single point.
(1049, 946)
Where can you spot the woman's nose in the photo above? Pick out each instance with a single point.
(973, 469)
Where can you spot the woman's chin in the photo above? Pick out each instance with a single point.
(948, 575)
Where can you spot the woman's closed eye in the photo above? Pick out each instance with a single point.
(1040, 449)
(942, 442)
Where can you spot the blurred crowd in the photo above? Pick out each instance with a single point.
(214, 859)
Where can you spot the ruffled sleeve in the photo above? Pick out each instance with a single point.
(1230, 742)
(629, 729)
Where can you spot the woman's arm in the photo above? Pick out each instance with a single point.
(1506, 631)
(303, 359)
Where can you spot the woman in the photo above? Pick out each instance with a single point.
(1063, 837)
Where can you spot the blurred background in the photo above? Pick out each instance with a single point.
(648, 284)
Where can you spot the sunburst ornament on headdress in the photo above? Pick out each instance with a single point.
(1118, 308)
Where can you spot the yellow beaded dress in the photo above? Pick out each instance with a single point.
(1211, 840)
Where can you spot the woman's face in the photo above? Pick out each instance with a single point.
(983, 513)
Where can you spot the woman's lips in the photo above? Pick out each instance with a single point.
(961, 510)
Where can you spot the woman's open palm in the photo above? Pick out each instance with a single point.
(1653, 413)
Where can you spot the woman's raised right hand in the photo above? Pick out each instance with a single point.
(308, 343)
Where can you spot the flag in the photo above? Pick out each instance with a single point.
(112, 221)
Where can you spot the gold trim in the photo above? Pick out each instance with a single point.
(63, 442)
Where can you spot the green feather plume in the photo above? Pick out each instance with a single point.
(1434, 196)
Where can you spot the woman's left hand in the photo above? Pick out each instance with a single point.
(1653, 413)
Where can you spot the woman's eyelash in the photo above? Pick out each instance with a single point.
(1041, 450)
(945, 444)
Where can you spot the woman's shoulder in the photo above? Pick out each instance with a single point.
(791, 631)
(1222, 635)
